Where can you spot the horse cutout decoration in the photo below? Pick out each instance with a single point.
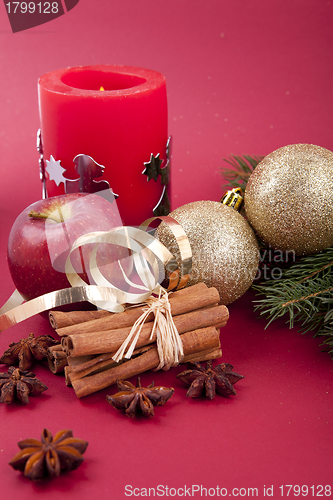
(88, 170)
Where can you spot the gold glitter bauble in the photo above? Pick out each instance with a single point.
(289, 199)
(225, 251)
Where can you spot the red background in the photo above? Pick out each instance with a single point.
(243, 77)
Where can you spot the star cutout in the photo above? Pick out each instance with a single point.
(55, 170)
(153, 167)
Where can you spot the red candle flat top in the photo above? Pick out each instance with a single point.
(116, 80)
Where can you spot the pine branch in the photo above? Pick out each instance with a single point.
(242, 168)
(327, 330)
(311, 266)
(304, 293)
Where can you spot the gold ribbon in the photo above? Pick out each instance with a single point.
(148, 254)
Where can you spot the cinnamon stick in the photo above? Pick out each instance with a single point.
(72, 364)
(56, 358)
(110, 341)
(193, 342)
(75, 362)
(60, 319)
(203, 356)
(105, 362)
(182, 301)
(100, 363)
(67, 372)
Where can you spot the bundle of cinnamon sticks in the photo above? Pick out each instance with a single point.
(89, 339)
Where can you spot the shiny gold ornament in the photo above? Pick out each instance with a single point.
(289, 199)
(224, 248)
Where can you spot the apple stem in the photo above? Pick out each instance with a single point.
(41, 215)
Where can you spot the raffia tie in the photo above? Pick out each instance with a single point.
(169, 344)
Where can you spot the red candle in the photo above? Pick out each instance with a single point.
(118, 116)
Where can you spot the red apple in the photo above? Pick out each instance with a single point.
(42, 235)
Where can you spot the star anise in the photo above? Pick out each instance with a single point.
(26, 350)
(218, 380)
(49, 456)
(131, 398)
(20, 384)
